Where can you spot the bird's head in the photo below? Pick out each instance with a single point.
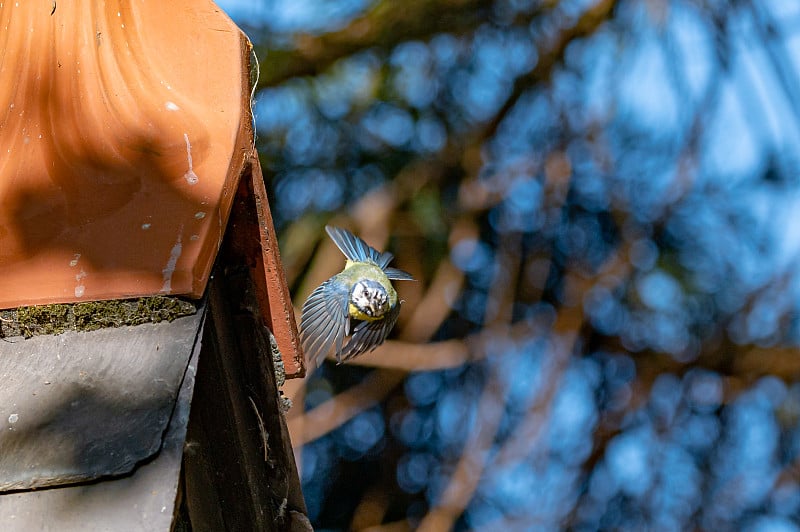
(370, 298)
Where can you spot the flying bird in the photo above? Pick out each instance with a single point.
(359, 300)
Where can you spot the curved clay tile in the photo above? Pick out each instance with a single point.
(124, 126)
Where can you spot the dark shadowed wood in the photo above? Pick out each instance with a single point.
(252, 241)
(239, 466)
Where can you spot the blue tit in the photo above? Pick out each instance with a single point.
(360, 299)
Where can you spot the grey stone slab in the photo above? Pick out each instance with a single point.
(86, 405)
(144, 500)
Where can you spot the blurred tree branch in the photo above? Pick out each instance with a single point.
(775, 46)
(474, 458)
(390, 23)
(551, 53)
(385, 25)
(334, 412)
(537, 270)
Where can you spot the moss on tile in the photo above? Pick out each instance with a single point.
(91, 315)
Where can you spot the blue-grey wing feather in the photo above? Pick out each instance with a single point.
(356, 249)
(384, 259)
(324, 322)
(398, 275)
(368, 335)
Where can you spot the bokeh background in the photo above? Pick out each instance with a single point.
(601, 202)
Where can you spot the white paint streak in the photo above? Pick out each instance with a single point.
(189, 176)
(80, 289)
(13, 418)
(75, 258)
(172, 106)
(169, 269)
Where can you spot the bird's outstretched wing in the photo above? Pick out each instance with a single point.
(325, 322)
(356, 249)
(368, 335)
(397, 275)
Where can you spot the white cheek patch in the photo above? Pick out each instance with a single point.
(372, 300)
(360, 295)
